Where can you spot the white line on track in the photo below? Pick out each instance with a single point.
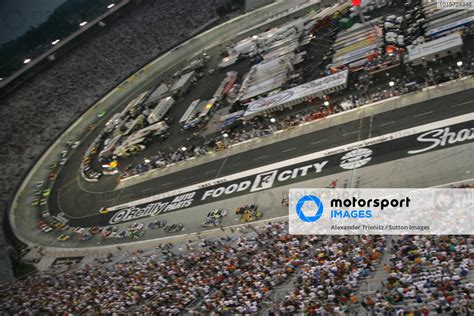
(319, 141)
(210, 171)
(261, 157)
(347, 134)
(289, 149)
(233, 165)
(459, 104)
(167, 183)
(422, 114)
(222, 166)
(388, 123)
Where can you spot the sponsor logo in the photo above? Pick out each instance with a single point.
(267, 102)
(265, 180)
(442, 137)
(153, 209)
(311, 204)
(356, 158)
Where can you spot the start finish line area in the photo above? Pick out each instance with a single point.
(394, 146)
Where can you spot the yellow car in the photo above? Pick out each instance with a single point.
(46, 192)
(59, 225)
(35, 202)
(104, 210)
(63, 237)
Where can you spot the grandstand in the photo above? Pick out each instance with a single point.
(246, 272)
(172, 196)
(45, 105)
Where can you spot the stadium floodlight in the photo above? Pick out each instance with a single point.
(326, 103)
(183, 148)
(110, 6)
(83, 23)
(391, 83)
(26, 61)
(225, 135)
(459, 63)
(273, 120)
(55, 42)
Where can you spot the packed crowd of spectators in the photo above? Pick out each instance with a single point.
(327, 283)
(37, 112)
(426, 275)
(230, 274)
(239, 272)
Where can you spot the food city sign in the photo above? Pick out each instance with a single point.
(260, 182)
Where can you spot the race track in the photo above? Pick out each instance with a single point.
(78, 198)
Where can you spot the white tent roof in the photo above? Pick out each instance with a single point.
(310, 89)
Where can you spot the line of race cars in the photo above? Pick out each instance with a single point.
(246, 213)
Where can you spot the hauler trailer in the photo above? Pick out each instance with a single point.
(160, 92)
(460, 25)
(440, 47)
(184, 82)
(160, 110)
(449, 19)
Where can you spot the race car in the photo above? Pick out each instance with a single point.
(242, 209)
(52, 176)
(63, 237)
(248, 213)
(173, 228)
(218, 213)
(214, 218)
(159, 223)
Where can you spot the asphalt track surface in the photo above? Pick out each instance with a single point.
(78, 198)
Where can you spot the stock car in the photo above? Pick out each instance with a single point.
(248, 213)
(63, 237)
(174, 228)
(101, 114)
(159, 223)
(44, 227)
(214, 218)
